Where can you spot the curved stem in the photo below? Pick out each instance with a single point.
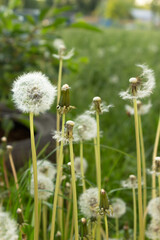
(57, 183)
(143, 166)
(34, 159)
(82, 169)
(106, 226)
(135, 213)
(75, 211)
(153, 159)
(141, 225)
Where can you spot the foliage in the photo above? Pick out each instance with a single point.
(119, 9)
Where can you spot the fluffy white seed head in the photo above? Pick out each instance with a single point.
(45, 168)
(77, 165)
(32, 92)
(144, 87)
(142, 108)
(119, 207)
(88, 203)
(45, 187)
(8, 226)
(154, 208)
(131, 182)
(58, 43)
(85, 128)
(153, 229)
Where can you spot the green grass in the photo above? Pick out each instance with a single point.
(111, 53)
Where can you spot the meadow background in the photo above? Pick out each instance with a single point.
(104, 60)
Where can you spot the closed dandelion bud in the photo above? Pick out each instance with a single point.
(20, 219)
(157, 164)
(134, 84)
(9, 148)
(58, 235)
(4, 142)
(104, 204)
(126, 232)
(97, 104)
(65, 98)
(83, 229)
(69, 129)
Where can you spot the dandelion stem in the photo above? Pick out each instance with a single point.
(34, 159)
(156, 143)
(135, 213)
(75, 211)
(15, 176)
(159, 184)
(44, 222)
(106, 226)
(68, 215)
(82, 169)
(141, 225)
(143, 165)
(98, 156)
(5, 172)
(57, 182)
(117, 227)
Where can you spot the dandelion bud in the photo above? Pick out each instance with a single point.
(97, 104)
(58, 235)
(68, 185)
(132, 179)
(69, 129)
(20, 219)
(65, 98)
(133, 80)
(104, 204)
(3, 139)
(157, 164)
(83, 228)
(9, 148)
(4, 142)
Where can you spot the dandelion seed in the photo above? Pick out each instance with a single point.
(58, 43)
(8, 226)
(154, 208)
(131, 182)
(119, 208)
(77, 165)
(142, 108)
(88, 203)
(61, 51)
(85, 128)
(45, 168)
(45, 187)
(33, 93)
(139, 87)
(153, 230)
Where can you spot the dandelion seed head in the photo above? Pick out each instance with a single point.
(153, 230)
(142, 108)
(85, 128)
(119, 208)
(8, 226)
(65, 87)
(154, 208)
(88, 203)
(45, 168)
(61, 54)
(143, 85)
(32, 92)
(45, 187)
(58, 43)
(131, 182)
(77, 165)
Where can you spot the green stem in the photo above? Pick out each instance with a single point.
(75, 211)
(44, 222)
(106, 226)
(82, 169)
(98, 156)
(153, 159)
(34, 159)
(135, 213)
(68, 215)
(141, 224)
(39, 215)
(57, 183)
(143, 166)
(117, 227)
(159, 184)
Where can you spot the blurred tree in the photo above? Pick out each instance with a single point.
(119, 9)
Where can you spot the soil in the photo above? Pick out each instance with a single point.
(19, 132)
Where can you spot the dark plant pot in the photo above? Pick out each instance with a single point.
(19, 136)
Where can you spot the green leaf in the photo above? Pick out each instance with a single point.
(85, 25)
